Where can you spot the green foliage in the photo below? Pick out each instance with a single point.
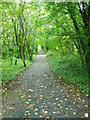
(69, 68)
(18, 32)
(9, 71)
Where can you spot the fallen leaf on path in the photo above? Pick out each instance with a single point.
(78, 98)
(61, 90)
(29, 114)
(27, 102)
(45, 106)
(60, 107)
(29, 96)
(27, 111)
(25, 114)
(83, 100)
(56, 98)
(54, 103)
(86, 114)
(30, 90)
(0, 113)
(54, 112)
(37, 102)
(86, 105)
(5, 89)
(27, 107)
(71, 109)
(61, 101)
(58, 104)
(42, 106)
(22, 96)
(66, 113)
(36, 109)
(45, 75)
(11, 108)
(74, 113)
(41, 86)
(46, 112)
(67, 96)
(29, 99)
(36, 113)
(31, 105)
(66, 108)
(47, 117)
(41, 98)
(78, 106)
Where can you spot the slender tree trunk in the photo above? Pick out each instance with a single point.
(15, 60)
(24, 56)
(15, 30)
(20, 45)
(30, 54)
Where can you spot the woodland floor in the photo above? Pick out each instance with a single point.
(37, 92)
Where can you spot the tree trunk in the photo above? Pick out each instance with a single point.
(24, 56)
(15, 61)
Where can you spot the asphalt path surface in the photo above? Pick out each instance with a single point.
(39, 93)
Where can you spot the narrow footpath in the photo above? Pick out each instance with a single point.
(38, 93)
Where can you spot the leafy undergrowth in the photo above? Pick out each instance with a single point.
(9, 71)
(69, 68)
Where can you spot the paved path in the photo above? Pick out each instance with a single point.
(37, 92)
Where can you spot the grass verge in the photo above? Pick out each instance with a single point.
(9, 71)
(69, 68)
